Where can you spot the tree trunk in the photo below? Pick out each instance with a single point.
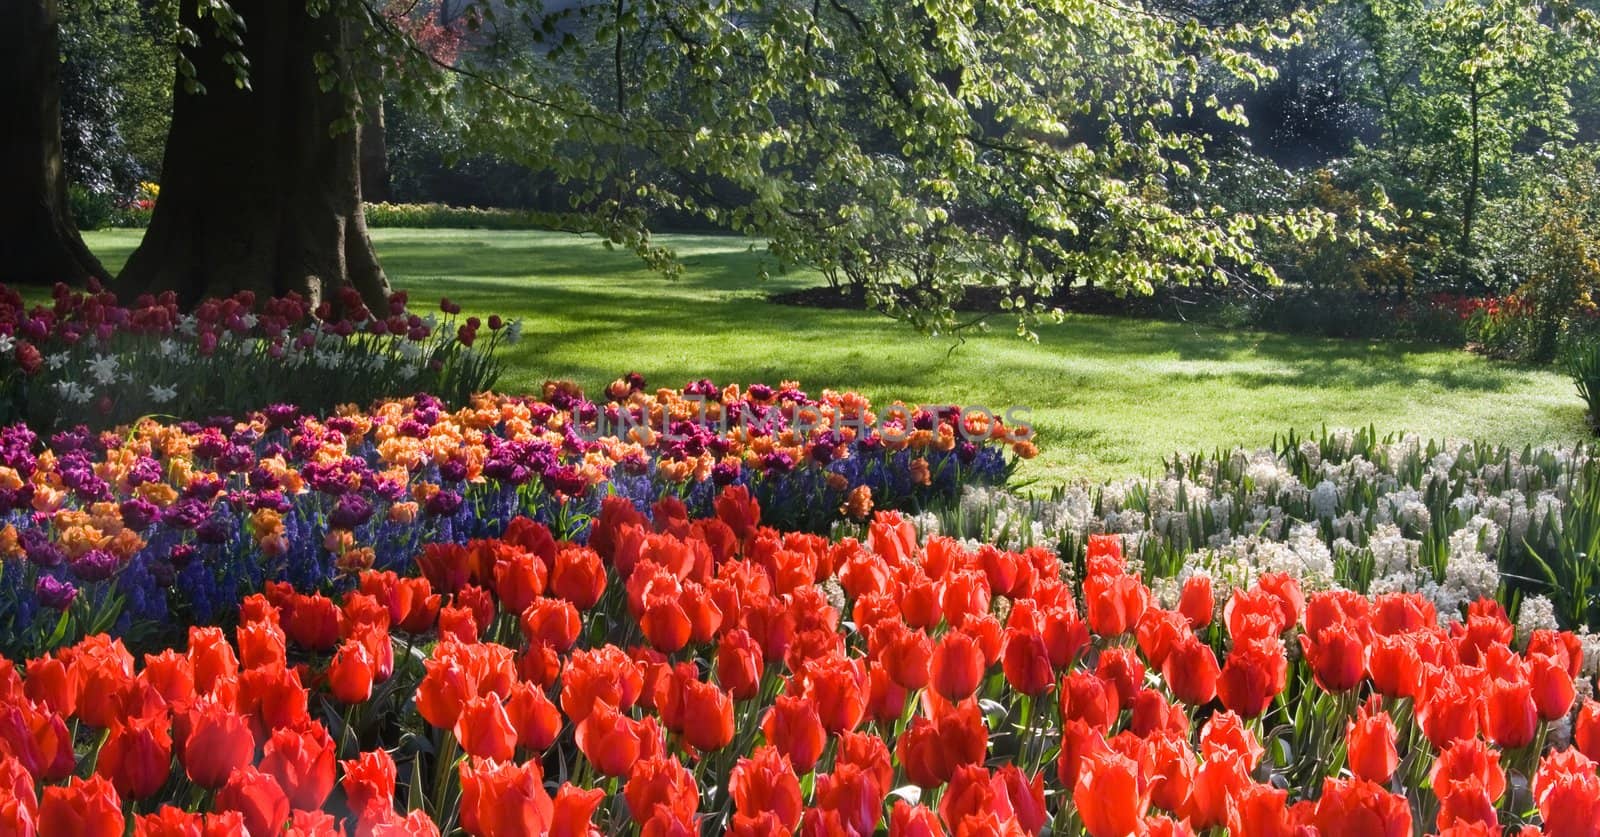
(257, 192)
(39, 241)
(1469, 210)
(374, 152)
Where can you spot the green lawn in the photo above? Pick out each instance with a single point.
(1109, 396)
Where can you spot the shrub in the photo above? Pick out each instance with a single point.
(438, 215)
(1583, 363)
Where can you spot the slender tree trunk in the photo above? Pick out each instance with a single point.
(1469, 210)
(39, 241)
(374, 152)
(257, 192)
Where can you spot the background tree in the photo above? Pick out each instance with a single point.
(39, 242)
(261, 182)
(920, 150)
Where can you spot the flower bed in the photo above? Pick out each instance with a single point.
(171, 525)
(88, 359)
(718, 675)
(1454, 522)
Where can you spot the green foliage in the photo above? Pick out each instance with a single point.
(1463, 90)
(117, 60)
(438, 216)
(916, 150)
(1583, 364)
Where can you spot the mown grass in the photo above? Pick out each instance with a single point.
(1109, 396)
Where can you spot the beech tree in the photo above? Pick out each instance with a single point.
(261, 180)
(39, 241)
(912, 150)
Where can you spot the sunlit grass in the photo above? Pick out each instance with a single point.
(1110, 396)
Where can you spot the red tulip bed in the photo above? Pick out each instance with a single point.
(719, 676)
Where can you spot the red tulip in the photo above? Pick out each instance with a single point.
(765, 781)
(739, 664)
(171, 675)
(1196, 603)
(502, 800)
(104, 675)
(1172, 767)
(662, 784)
(257, 797)
(1191, 671)
(610, 740)
(302, 761)
(519, 577)
(957, 666)
(534, 716)
(53, 683)
(1114, 602)
(484, 729)
(137, 755)
(1586, 730)
(794, 728)
(351, 673)
(1510, 717)
(1122, 669)
(1471, 761)
(83, 808)
(578, 577)
(1087, 698)
(1110, 796)
(1465, 803)
(1026, 662)
(906, 654)
(907, 820)
(572, 813)
(1553, 691)
(835, 687)
(369, 782)
(1370, 741)
(312, 622)
(1337, 656)
(1255, 672)
(1567, 792)
(219, 743)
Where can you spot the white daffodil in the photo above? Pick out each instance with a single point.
(7, 343)
(167, 347)
(74, 393)
(188, 325)
(104, 369)
(162, 394)
(56, 362)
